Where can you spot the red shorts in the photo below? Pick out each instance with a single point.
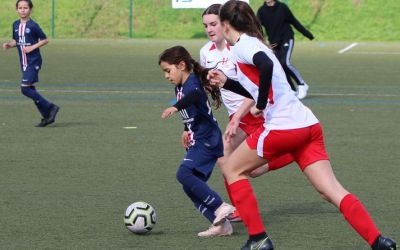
(249, 123)
(306, 145)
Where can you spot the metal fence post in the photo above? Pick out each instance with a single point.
(130, 18)
(52, 18)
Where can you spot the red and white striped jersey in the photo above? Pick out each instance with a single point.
(284, 110)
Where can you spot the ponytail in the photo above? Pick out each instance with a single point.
(214, 91)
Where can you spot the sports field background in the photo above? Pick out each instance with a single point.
(328, 20)
(67, 186)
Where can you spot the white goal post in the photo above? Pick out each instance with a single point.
(201, 4)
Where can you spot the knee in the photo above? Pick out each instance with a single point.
(222, 164)
(182, 174)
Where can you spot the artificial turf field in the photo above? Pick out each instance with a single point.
(67, 186)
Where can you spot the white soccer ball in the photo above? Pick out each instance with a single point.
(140, 217)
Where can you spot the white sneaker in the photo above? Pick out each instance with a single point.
(302, 91)
(222, 213)
(223, 229)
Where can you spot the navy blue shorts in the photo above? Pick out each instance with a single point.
(202, 158)
(30, 75)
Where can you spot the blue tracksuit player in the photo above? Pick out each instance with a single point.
(28, 37)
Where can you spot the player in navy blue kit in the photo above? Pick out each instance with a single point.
(205, 138)
(28, 37)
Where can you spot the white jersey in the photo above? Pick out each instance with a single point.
(211, 57)
(284, 110)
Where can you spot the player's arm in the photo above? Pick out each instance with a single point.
(265, 68)
(37, 45)
(218, 78)
(191, 98)
(9, 45)
(293, 20)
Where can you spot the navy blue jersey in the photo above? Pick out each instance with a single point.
(27, 34)
(198, 117)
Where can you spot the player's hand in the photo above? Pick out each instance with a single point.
(28, 49)
(168, 112)
(6, 46)
(216, 78)
(185, 139)
(256, 112)
(231, 128)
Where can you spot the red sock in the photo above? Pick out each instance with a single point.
(358, 217)
(246, 203)
(280, 162)
(229, 192)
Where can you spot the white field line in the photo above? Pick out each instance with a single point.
(374, 53)
(354, 94)
(347, 48)
(168, 92)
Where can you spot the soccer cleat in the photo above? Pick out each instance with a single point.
(43, 123)
(263, 244)
(235, 217)
(383, 243)
(52, 114)
(224, 229)
(222, 213)
(302, 91)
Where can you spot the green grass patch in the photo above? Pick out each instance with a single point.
(344, 20)
(67, 186)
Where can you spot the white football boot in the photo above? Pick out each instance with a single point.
(222, 213)
(302, 91)
(224, 229)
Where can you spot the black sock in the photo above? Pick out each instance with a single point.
(257, 237)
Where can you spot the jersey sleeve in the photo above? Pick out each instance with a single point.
(39, 32)
(14, 34)
(293, 21)
(192, 98)
(247, 51)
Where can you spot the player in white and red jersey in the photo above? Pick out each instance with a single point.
(217, 54)
(290, 127)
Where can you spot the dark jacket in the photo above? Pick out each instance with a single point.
(277, 20)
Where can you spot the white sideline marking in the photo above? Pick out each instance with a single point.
(348, 48)
(354, 94)
(374, 53)
(130, 127)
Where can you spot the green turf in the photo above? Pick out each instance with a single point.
(328, 20)
(67, 186)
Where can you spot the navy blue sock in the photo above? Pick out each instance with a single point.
(42, 104)
(200, 206)
(198, 187)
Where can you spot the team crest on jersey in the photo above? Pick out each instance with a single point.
(37, 67)
(27, 30)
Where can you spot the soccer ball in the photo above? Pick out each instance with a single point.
(140, 217)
